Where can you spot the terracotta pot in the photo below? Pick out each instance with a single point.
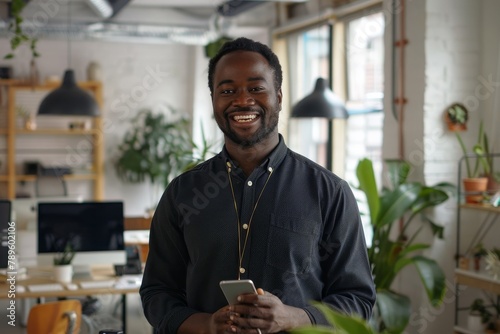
(464, 263)
(474, 189)
(453, 125)
(493, 185)
(456, 127)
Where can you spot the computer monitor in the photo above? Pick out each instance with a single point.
(5, 208)
(94, 230)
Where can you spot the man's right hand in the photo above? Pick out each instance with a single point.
(216, 323)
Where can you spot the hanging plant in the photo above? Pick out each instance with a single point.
(20, 36)
(456, 117)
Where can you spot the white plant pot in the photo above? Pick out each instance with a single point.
(474, 323)
(63, 273)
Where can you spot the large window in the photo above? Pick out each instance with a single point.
(309, 58)
(365, 81)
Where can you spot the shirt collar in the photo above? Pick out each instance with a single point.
(273, 160)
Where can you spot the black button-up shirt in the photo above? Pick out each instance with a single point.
(305, 240)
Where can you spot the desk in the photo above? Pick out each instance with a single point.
(42, 276)
(139, 224)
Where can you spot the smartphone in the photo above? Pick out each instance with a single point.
(233, 288)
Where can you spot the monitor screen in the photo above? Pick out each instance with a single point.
(5, 207)
(91, 228)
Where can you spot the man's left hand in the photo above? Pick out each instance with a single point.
(265, 313)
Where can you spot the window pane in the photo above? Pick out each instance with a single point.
(365, 61)
(365, 78)
(309, 52)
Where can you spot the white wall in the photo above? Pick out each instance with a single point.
(168, 70)
(453, 49)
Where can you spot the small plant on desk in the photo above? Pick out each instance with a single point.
(65, 257)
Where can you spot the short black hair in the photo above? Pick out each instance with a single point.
(246, 44)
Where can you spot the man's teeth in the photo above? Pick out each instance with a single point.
(245, 118)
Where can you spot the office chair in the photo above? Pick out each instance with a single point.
(59, 317)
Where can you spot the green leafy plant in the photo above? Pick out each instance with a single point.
(393, 249)
(457, 113)
(478, 308)
(65, 257)
(19, 36)
(341, 323)
(483, 165)
(158, 149)
(154, 148)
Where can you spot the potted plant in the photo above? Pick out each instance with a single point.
(493, 266)
(63, 270)
(157, 149)
(478, 316)
(476, 181)
(456, 116)
(478, 252)
(392, 249)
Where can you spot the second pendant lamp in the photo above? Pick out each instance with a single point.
(69, 99)
(322, 102)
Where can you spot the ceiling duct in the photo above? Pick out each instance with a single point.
(236, 7)
(101, 7)
(107, 8)
(117, 5)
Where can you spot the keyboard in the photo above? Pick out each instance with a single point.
(97, 284)
(45, 287)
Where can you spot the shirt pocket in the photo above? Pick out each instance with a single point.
(292, 242)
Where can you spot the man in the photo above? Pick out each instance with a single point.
(255, 211)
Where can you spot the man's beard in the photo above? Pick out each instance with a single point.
(262, 133)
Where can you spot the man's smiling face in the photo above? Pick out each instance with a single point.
(245, 101)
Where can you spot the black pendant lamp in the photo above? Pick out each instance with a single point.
(69, 99)
(322, 102)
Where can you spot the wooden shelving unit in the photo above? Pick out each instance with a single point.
(485, 223)
(12, 132)
(478, 280)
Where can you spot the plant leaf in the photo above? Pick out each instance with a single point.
(412, 248)
(432, 277)
(368, 185)
(429, 197)
(342, 323)
(395, 204)
(395, 310)
(398, 171)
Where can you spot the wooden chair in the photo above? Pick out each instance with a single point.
(59, 317)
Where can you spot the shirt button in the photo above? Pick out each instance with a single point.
(242, 270)
(245, 226)
(249, 183)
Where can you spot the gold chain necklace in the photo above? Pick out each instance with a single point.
(241, 252)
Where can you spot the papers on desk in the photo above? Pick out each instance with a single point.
(45, 287)
(128, 281)
(97, 284)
